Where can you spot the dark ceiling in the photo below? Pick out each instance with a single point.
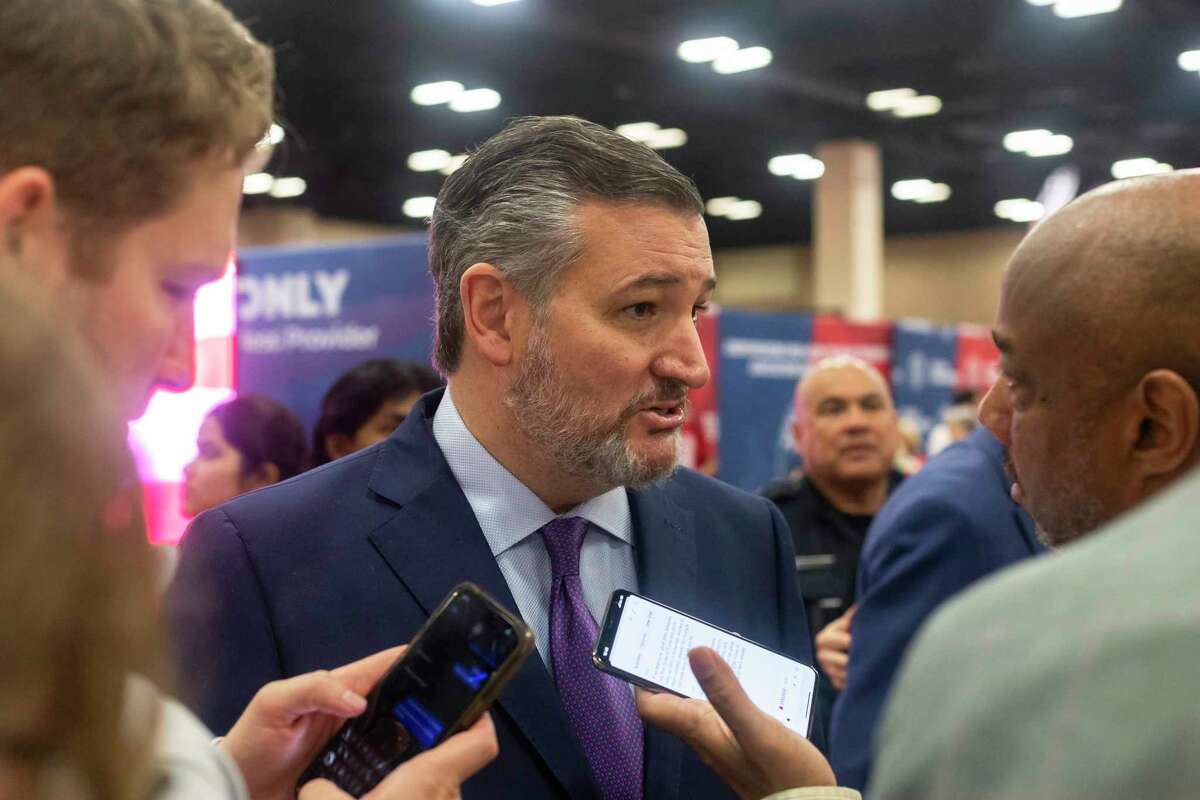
(1110, 81)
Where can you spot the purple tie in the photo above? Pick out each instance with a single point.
(600, 707)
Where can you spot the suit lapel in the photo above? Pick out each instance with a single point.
(432, 544)
(666, 554)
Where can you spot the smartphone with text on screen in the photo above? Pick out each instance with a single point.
(646, 643)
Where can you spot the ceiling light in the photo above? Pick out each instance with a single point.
(1057, 145)
(453, 164)
(904, 103)
(419, 207)
(1020, 210)
(1041, 2)
(492, 2)
(938, 193)
(1038, 143)
(1190, 61)
(800, 166)
(921, 190)
(257, 183)
(649, 134)
(1136, 167)
(717, 206)
(1068, 9)
(428, 160)
(743, 210)
(667, 138)
(887, 99)
(638, 131)
(475, 100)
(733, 208)
(432, 94)
(1019, 141)
(698, 51)
(288, 187)
(922, 106)
(742, 60)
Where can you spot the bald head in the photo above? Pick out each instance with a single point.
(826, 371)
(845, 428)
(1098, 400)
(1117, 273)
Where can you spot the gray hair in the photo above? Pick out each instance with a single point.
(512, 204)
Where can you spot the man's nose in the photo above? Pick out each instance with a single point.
(994, 411)
(683, 358)
(177, 370)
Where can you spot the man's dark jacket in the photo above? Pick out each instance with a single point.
(350, 559)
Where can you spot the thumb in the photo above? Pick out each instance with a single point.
(725, 693)
(454, 760)
(321, 789)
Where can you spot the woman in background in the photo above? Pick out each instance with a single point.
(244, 444)
(366, 404)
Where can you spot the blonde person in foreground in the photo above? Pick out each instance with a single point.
(126, 130)
(1072, 676)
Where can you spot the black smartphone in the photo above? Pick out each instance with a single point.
(646, 643)
(455, 666)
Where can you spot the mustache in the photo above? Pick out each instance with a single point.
(663, 391)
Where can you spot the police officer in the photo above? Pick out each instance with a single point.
(846, 433)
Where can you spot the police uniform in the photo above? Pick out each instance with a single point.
(827, 543)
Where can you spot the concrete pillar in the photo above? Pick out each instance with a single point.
(848, 230)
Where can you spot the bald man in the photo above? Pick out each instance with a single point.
(846, 433)
(1071, 676)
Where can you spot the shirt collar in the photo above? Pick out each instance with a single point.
(507, 510)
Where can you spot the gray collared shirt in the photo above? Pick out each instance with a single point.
(510, 515)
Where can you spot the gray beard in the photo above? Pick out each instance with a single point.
(583, 442)
(1083, 518)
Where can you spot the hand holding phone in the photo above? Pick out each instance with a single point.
(451, 672)
(752, 752)
(646, 643)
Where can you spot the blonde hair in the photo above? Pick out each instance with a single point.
(117, 100)
(77, 577)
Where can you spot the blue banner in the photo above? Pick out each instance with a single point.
(305, 315)
(924, 370)
(762, 356)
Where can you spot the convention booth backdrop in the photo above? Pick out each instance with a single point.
(287, 321)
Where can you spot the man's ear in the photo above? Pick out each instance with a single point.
(489, 302)
(797, 434)
(29, 214)
(1168, 425)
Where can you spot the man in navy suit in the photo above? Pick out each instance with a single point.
(570, 265)
(948, 526)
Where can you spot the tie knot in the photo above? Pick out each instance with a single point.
(564, 538)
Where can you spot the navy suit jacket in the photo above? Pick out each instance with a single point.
(352, 557)
(946, 527)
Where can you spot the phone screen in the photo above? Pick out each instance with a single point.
(444, 670)
(466, 652)
(652, 641)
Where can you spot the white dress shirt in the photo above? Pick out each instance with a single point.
(510, 516)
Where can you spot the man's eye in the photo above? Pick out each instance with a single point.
(698, 309)
(640, 310)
